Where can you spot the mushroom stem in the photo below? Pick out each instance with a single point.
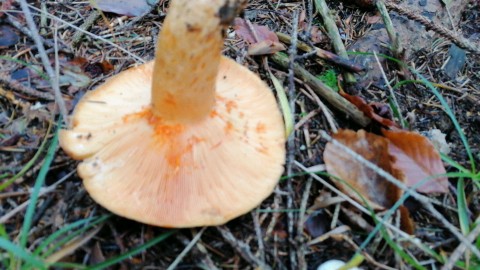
(187, 59)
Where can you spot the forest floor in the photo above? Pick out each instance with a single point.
(304, 222)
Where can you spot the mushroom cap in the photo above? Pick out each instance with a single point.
(177, 175)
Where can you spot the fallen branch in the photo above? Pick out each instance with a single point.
(323, 54)
(324, 91)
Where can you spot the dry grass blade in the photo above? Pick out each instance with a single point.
(72, 246)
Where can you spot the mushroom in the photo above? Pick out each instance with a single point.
(189, 139)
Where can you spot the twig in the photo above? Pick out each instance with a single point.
(357, 205)
(106, 41)
(334, 35)
(324, 91)
(18, 87)
(242, 248)
(292, 53)
(325, 110)
(458, 252)
(302, 264)
(186, 250)
(396, 45)
(206, 260)
(323, 54)
(10, 19)
(42, 192)
(422, 199)
(94, 14)
(46, 63)
(444, 32)
(392, 93)
(258, 232)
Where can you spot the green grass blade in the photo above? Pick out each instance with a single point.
(399, 250)
(20, 252)
(453, 163)
(66, 265)
(132, 252)
(27, 222)
(70, 236)
(4, 235)
(67, 230)
(450, 113)
(462, 207)
(440, 98)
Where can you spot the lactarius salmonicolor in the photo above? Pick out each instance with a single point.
(189, 139)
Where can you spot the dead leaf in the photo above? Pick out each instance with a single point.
(369, 110)
(356, 179)
(418, 159)
(261, 39)
(124, 7)
(261, 32)
(8, 36)
(317, 35)
(96, 254)
(265, 47)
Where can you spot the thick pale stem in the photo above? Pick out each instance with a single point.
(187, 60)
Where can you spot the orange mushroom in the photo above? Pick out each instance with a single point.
(189, 139)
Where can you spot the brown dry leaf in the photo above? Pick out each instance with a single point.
(317, 35)
(369, 110)
(365, 182)
(418, 159)
(265, 47)
(261, 39)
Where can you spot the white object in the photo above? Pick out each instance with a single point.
(333, 265)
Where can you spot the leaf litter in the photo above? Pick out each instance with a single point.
(26, 127)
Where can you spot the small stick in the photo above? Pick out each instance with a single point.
(42, 192)
(242, 248)
(292, 53)
(444, 32)
(396, 45)
(46, 62)
(186, 250)
(25, 30)
(94, 14)
(392, 92)
(206, 260)
(458, 252)
(397, 48)
(258, 232)
(334, 35)
(323, 54)
(324, 91)
(18, 87)
(300, 226)
(425, 201)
